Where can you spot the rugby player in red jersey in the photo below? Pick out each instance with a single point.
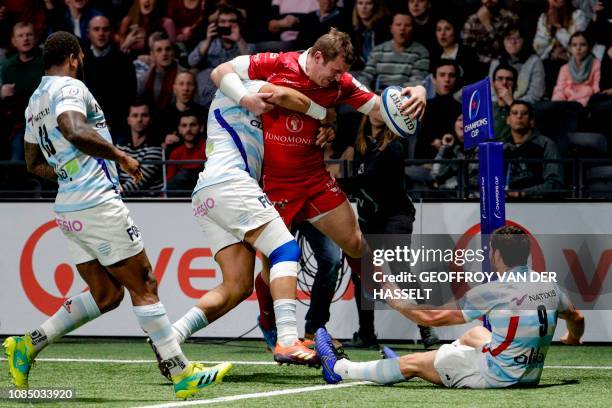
(294, 174)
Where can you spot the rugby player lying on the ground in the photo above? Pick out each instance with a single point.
(522, 324)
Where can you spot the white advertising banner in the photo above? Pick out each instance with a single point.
(38, 274)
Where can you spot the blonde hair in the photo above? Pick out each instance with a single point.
(379, 12)
(365, 130)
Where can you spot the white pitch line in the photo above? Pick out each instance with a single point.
(257, 395)
(580, 367)
(114, 361)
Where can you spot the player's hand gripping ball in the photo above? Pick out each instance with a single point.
(390, 110)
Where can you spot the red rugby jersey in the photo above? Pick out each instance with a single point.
(289, 137)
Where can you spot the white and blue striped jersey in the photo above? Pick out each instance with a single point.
(234, 142)
(523, 318)
(84, 181)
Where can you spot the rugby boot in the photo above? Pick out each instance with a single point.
(196, 377)
(297, 353)
(328, 355)
(269, 335)
(20, 355)
(161, 364)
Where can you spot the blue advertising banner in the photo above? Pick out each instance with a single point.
(477, 113)
(491, 183)
(492, 196)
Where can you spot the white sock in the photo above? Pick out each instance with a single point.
(379, 371)
(191, 322)
(154, 321)
(74, 312)
(280, 247)
(286, 326)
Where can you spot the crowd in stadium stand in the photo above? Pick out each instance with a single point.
(148, 64)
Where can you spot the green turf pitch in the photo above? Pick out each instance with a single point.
(114, 384)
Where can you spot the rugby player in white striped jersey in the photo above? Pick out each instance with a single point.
(237, 217)
(67, 141)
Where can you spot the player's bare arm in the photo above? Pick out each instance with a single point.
(295, 100)
(426, 315)
(77, 131)
(575, 327)
(230, 83)
(36, 163)
(431, 316)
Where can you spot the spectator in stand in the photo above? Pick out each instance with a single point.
(184, 91)
(140, 147)
(424, 28)
(370, 27)
(184, 176)
(144, 18)
(399, 61)
(383, 207)
(155, 84)
(578, 79)
(188, 16)
(218, 48)
(600, 105)
(109, 75)
(285, 20)
(551, 41)
(445, 175)
(212, 8)
(5, 27)
(14, 11)
(370, 22)
(600, 28)
(441, 111)
(21, 74)
(448, 47)
(115, 10)
(533, 178)
(484, 29)
(74, 17)
(504, 86)
(315, 24)
(531, 78)
(588, 7)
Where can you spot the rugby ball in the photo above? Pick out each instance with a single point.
(390, 110)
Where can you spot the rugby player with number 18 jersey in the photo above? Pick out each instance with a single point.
(294, 174)
(66, 140)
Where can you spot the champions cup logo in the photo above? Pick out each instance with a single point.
(497, 207)
(483, 198)
(294, 123)
(63, 276)
(474, 106)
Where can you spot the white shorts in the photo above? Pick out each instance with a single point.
(105, 232)
(227, 211)
(458, 366)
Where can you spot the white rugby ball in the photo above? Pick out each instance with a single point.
(390, 110)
